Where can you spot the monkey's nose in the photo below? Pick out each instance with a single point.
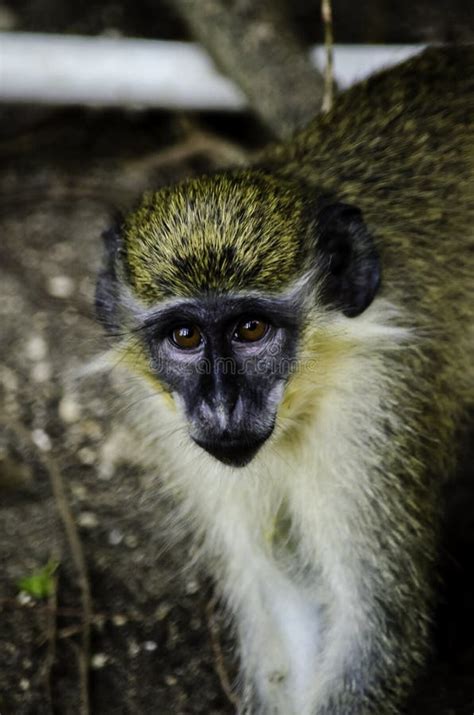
(234, 453)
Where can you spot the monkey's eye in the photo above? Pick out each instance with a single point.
(186, 337)
(250, 330)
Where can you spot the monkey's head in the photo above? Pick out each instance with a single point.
(214, 282)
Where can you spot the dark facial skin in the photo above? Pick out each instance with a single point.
(228, 359)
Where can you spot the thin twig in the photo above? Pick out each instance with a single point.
(68, 632)
(219, 662)
(326, 14)
(77, 553)
(198, 141)
(51, 635)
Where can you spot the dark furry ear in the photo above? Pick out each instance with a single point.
(351, 265)
(107, 287)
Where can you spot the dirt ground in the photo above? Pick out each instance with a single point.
(151, 630)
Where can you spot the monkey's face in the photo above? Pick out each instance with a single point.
(225, 361)
(217, 277)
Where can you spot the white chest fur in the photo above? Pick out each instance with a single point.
(280, 640)
(280, 606)
(300, 613)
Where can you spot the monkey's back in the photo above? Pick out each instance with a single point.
(401, 147)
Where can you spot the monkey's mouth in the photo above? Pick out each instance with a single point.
(233, 453)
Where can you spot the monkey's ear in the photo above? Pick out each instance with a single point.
(350, 262)
(107, 287)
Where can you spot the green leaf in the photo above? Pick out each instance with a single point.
(40, 584)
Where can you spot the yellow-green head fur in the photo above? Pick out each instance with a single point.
(228, 232)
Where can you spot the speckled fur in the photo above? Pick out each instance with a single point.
(325, 545)
(203, 235)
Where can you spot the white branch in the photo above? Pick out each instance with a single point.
(63, 69)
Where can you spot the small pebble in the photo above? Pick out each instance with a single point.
(41, 439)
(131, 541)
(88, 520)
(24, 684)
(106, 471)
(86, 455)
(115, 537)
(36, 348)
(171, 680)
(98, 661)
(150, 646)
(61, 286)
(192, 587)
(69, 410)
(119, 620)
(24, 598)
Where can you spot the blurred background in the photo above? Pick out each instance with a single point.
(98, 612)
(369, 21)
